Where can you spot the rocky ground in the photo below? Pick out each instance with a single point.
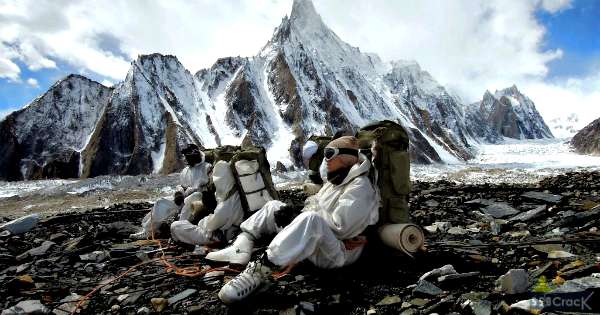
(51, 197)
(543, 236)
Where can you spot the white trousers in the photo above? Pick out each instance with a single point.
(162, 211)
(307, 237)
(186, 232)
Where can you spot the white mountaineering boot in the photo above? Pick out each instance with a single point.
(255, 278)
(238, 253)
(141, 235)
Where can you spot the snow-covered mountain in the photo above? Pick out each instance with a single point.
(566, 126)
(587, 140)
(507, 113)
(304, 81)
(45, 138)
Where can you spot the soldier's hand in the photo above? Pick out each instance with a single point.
(355, 243)
(178, 198)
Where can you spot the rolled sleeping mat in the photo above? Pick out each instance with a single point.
(407, 238)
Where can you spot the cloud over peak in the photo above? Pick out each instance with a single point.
(468, 46)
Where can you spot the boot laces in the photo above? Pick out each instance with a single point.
(250, 279)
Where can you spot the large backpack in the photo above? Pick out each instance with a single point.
(253, 176)
(222, 153)
(392, 163)
(212, 156)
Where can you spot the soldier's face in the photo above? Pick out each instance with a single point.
(334, 164)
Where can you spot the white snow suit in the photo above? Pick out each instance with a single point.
(336, 213)
(194, 179)
(227, 215)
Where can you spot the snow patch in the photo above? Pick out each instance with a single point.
(158, 157)
(282, 133)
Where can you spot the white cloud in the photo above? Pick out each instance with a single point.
(104, 37)
(33, 82)
(468, 46)
(9, 70)
(567, 99)
(554, 6)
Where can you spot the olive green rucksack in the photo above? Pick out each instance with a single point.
(315, 161)
(222, 153)
(253, 177)
(392, 163)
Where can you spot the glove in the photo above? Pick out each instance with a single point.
(311, 189)
(286, 214)
(178, 198)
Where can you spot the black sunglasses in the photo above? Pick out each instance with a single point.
(331, 153)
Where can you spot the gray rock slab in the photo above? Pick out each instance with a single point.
(500, 210)
(541, 196)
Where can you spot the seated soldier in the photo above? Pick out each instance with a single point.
(224, 223)
(193, 181)
(326, 232)
(314, 161)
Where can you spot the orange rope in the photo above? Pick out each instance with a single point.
(87, 296)
(192, 271)
(281, 274)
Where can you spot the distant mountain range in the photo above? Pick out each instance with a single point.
(304, 81)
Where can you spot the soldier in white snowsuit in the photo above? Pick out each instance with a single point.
(193, 181)
(224, 222)
(325, 232)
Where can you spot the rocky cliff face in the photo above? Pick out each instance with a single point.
(45, 138)
(587, 140)
(507, 113)
(149, 117)
(304, 81)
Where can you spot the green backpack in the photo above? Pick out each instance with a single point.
(222, 153)
(253, 177)
(392, 162)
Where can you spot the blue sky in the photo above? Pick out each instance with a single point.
(468, 46)
(577, 32)
(16, 94)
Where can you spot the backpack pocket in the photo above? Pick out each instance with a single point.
(258, 199)
(398, 210)
(400, 172)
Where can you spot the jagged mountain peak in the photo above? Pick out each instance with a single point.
(152, 62)
(510, 113)
(488, 95)
(74, 76)
(72, 79)
(304, 25)
(154, 56)
(305, 80)
(69, 82)
(509, 91)
(410, 64)
(410, 70)
(305, 14)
